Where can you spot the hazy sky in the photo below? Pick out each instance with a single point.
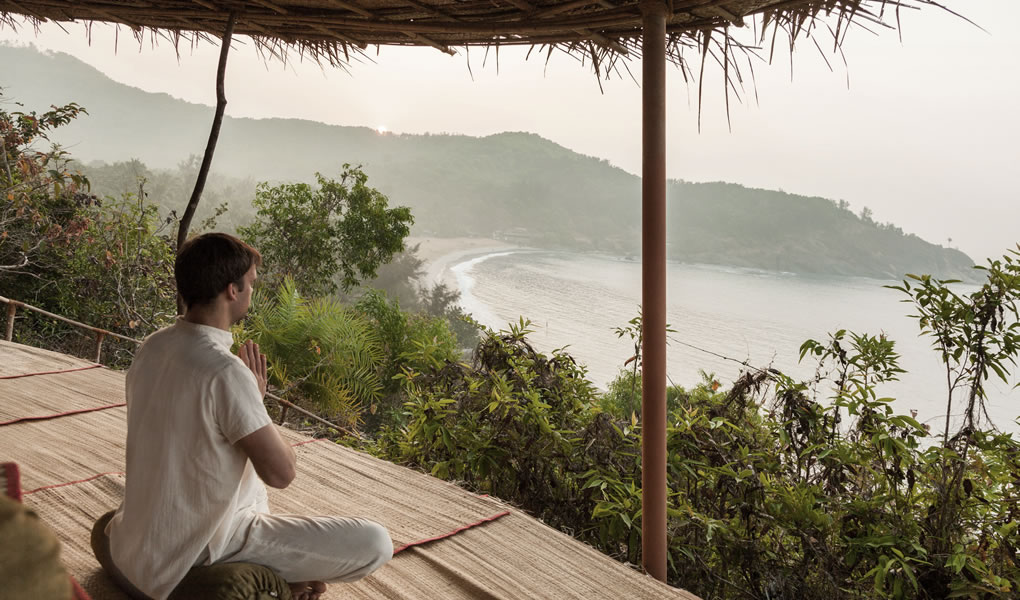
(927, 134)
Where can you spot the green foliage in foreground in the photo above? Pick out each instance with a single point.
(774, 492)
(338, 360)
(320, 353)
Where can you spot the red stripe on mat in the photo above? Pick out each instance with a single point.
(56, 485)
(452, 533)
(50, 372)
(63, 414)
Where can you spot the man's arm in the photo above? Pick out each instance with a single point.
(274, 461)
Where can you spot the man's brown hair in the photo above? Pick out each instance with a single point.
(207, 264)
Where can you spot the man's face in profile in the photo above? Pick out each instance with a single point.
(242, 302)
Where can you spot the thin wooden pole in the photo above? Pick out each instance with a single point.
(210, 147)
(12, 309)
(100, 336)
(653, 288)
(286, 404)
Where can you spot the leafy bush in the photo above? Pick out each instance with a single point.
(411, 342)
(503, 425)
(777, 488)
(321, 355)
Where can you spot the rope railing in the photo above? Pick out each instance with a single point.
(101, 334)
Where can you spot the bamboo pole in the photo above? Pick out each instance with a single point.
(100, 336)
(286, 404)
(653, 288)
(12, 309)
(210, 148)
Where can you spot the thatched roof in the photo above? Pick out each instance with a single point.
(598, 30)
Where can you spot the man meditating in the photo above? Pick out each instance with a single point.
(200, 447)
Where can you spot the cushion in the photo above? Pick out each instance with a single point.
(224, 581)
(29, 555)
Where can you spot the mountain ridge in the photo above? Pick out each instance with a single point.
(507, 184)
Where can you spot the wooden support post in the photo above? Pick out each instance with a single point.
(100, 336)
(653, 288)
(12, 308)
(210, 147)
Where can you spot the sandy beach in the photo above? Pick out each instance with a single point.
(440, 254)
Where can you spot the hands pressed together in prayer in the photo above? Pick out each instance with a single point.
(252, 358)
(256, 361)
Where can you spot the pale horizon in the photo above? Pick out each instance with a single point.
(925, 135)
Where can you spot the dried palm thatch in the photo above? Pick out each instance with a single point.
(599, 32)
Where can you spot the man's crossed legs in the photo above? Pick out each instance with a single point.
(309, 552)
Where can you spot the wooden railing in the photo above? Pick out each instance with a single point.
(101, 334)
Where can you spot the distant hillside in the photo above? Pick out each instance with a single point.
(516, 185)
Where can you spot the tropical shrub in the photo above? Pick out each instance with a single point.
(118, 275)
(777, 488)
(411, 342)
(322, 355)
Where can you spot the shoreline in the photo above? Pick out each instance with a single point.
(440, 255)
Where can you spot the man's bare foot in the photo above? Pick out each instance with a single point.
(307, 590)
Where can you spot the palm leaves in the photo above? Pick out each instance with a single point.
(320, 353)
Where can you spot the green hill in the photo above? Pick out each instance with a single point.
(516, 185)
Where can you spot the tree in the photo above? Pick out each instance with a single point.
(40, 200)
(327, 238)
(103, 262)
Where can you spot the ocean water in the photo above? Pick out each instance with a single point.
(575, 301)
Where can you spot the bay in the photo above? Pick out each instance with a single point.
(722, 317)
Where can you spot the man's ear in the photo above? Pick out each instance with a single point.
(231, 291)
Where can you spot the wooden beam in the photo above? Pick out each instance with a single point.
(618, 17)
(353, 8)
(428, 42)
(561, 8)
(653, 288)
(340, 36)
(47, 313)
(271, 6)
(722, 12)
(604, 41)
(522, 4)
(208, 5)
(433, 10)
(410, 34)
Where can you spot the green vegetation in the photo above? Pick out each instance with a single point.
(323, 354)
(108, 260)
(342, 228)
(513, 185)
(777, 488)
(104, 262)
